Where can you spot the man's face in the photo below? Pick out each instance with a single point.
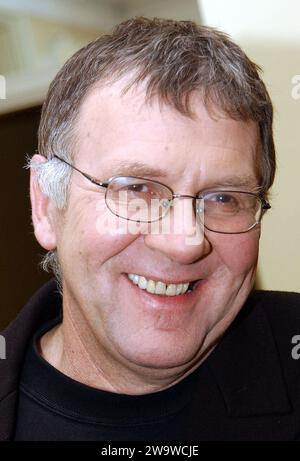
(132, 326)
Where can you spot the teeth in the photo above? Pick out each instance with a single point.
(150, 286)
(135, 279)
(171, 290)
(142, 283)
(185, 287)
(159, 288)
(179, 288)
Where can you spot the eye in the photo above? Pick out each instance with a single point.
(225, 202)
(222, 198)
(231, 202)
(131, 189)
(139, 188)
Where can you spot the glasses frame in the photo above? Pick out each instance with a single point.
(264, 204)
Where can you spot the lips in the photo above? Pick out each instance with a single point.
(160, 287)
(151, 303)
(164, 278)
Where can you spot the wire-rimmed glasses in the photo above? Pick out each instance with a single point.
(145, 200)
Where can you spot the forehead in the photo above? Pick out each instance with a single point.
(115, 130)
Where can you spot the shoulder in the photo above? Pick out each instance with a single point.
(290, 298)
(281, 310)
(280, 307)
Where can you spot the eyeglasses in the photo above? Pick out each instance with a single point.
(144, 200)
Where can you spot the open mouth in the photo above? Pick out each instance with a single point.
(192, 285)
(162, 288)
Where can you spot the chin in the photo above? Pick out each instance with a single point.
(162, 354)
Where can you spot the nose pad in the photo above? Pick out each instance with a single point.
(188, 214)
(180, 234)
(180, 218)
(199, 209)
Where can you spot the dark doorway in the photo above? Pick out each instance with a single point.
(19, 263)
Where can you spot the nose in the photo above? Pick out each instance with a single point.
(180, 234)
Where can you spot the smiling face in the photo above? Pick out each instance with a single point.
(129, 325)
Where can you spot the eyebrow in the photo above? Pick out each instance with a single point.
(126, 168)
(237, 181)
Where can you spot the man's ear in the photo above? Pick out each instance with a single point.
(43, 211)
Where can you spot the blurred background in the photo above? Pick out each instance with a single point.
(37, 36)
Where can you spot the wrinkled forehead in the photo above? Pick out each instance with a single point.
(114, 126)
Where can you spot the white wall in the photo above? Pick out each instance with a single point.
(269, 31)
(170, 9)
(37, 36)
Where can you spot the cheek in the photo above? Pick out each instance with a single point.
(93, 235)
(238, 252)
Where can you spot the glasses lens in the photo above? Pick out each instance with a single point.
(231, 212)
(138, 199)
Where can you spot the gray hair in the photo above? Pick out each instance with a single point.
(174, 59)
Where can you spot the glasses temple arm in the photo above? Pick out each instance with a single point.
(87, 176)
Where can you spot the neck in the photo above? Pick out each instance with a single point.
(78, 354)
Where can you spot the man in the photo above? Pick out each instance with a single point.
(154, 331)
